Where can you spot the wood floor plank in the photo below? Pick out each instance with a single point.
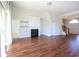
(43, 46)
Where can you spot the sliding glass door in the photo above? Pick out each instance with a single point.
(5, 28)
(3, 15)
(0, 29)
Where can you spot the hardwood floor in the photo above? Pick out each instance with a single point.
(43, 46)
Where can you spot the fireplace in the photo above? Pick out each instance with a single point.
(34, 33)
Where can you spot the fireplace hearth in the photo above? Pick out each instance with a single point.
(34, 33)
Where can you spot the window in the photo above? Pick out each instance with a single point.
(74, 21)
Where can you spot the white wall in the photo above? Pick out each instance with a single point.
(18, 32)
(51, 25)
(57, 26)
(15, 28)
(74, 28)
(46, 24)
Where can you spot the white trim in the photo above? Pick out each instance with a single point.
(71, 13)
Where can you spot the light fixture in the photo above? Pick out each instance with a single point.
(49, 3)
(74, 21)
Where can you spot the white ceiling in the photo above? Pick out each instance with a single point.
(57, 7)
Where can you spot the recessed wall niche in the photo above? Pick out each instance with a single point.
(24, 24)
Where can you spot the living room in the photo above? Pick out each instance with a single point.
(43, 29)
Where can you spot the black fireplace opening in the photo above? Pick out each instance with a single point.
(34, 32)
